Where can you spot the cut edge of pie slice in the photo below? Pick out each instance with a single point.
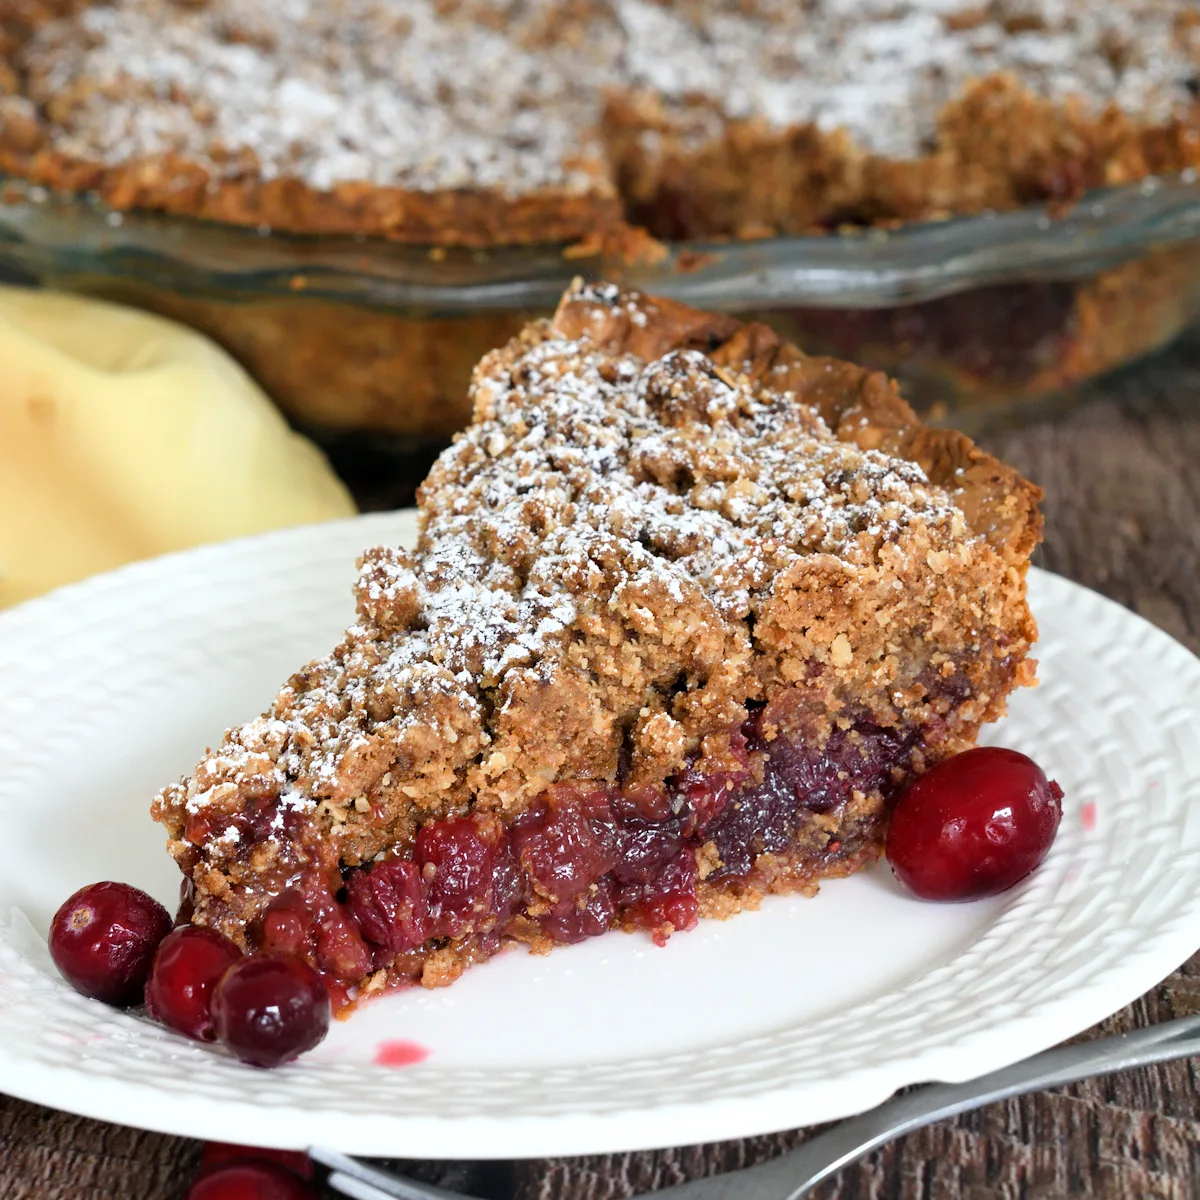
(687, 609)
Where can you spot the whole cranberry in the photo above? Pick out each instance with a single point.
(219, 1155)
(251, 1181)
(973, 825)
(270, 1008)
(186, 968)
(103, 940)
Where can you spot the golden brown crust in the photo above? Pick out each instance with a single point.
(999, 146)
(478, 218)
(865, 407)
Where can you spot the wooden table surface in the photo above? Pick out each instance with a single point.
(1122, 516)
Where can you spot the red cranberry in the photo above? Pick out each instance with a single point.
(223, 1154)
(385, 899)
(340, 948)
(310, 922)
(456, 865)
(704, 788)
(189, 962)
(568, 922)
(799, 778)
(667, 900)
(644, 848)
(563, 851)
(270, 1008)
(103, 940)
(703, 796)
(506, 884)
(973, 825)
(287, 926)
(251, 1181)
(650, 801)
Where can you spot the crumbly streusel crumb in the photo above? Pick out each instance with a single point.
(435, 95)
(481, 122)
(657, 517)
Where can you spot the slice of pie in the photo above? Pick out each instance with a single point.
(687, 610)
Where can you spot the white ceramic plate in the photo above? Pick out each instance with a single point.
(803, 1012)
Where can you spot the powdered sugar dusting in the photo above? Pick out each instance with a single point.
(391, 93)
(688, 473)
(590, 481)
(434, 94)
(882, 70)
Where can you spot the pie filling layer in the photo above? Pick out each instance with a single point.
(766, 811)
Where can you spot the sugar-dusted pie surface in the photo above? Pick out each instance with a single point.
(687, 609)
(490, 121)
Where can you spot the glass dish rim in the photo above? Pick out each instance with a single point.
(66, 234)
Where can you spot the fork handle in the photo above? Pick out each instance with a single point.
(791, 1175)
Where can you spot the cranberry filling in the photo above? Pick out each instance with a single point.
(561, 850)
(586, 857)
(667, 900)
(575, 920)
(306, 920)
(386, 901)
(645, 848)
(456, 864)
(798, 779)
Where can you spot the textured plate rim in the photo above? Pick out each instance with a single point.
(582, 1131)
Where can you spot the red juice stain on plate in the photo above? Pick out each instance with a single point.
(400, 1054)
(1087, 816)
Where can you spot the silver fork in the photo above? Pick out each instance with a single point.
(791, 1175)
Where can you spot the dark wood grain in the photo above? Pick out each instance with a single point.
(1122, 516)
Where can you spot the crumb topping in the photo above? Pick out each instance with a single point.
(443, 94)
(701, 480)
(393, 94)
(669, 477)
(883, 70)
(627, 535)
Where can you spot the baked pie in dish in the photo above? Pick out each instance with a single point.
(493, 122)
(687, 610)
(582, 126)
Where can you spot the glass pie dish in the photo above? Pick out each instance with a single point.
(985, 320)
